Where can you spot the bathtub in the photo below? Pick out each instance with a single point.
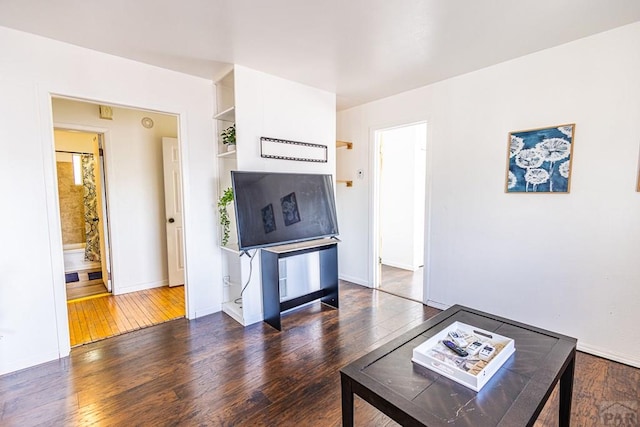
(74, 258)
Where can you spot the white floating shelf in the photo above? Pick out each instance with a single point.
(231, 154)
(231, 247)
(228, 115)
(234, 310)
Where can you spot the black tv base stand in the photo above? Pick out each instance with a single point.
(328, 292)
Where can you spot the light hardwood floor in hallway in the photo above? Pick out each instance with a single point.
(402, 283)
(94, 319)
(79, 290)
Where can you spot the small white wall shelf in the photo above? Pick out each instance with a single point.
(229, 153)
(228, 115)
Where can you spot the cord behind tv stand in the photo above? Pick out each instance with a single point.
(328, 293)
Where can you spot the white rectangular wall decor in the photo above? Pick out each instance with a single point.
(272, 148)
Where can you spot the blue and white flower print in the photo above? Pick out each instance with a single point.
(516, 145)
(527, 159)
(564, 169)
(536, 177)
(540, 160)
(512, 180)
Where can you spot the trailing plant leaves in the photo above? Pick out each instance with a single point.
(223, 202)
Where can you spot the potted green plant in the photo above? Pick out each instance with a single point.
(225, 222)
(229, 137)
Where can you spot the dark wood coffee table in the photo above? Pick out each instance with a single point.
(416, 396)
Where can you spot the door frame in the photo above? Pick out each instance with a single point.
(105, 242)
(45, 101)
(374, 207)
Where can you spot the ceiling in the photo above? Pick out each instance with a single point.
(360, 49)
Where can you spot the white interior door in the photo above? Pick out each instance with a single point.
(104, 228)
(173, 210)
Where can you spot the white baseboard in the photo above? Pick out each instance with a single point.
(27, 362)
(202, 312)
(118, 290)
(608, 354)
(250, 320)
(233, 310)
(400, 265)
(438, 305)
(205, 312)
(356, 280)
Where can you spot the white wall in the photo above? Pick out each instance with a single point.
(79, 142)
(273, 107)
(563, 262)
(354, 204)
(33, 316)
(133, 157)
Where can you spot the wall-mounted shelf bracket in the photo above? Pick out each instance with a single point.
(346, 144)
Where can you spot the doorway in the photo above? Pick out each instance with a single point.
(400, 209)
(128, 153)
(83, 213)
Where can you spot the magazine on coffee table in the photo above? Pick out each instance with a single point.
(465, 354)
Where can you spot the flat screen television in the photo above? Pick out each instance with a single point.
(279, 208)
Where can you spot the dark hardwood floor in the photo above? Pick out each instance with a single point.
(213, 372)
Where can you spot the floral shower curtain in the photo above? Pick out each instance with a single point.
(91, 218)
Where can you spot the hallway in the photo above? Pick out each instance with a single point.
(94, 319)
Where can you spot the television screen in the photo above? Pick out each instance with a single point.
(279, 208)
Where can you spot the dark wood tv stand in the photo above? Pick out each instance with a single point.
(328, 292)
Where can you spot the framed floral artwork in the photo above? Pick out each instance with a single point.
(539, 160)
